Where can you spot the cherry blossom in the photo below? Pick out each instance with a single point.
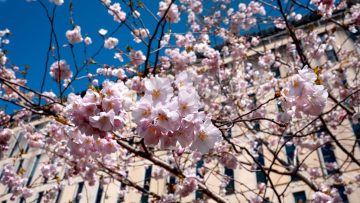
(304, 95)
(57, 2)
(74, 35)
(111, 42)
(59, 70)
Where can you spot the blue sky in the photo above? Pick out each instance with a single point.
(31, 30)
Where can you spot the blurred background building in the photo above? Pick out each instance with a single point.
(28, 161)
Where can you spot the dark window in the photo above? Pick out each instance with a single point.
(198, 193)
(331, 55)
(228, 133)
(171, 185)
(329, 51)
(260, 175)
(78, 192)
(58, 196)
(122, 187)
(300, 197)
(16, 145)
(355, 38)
(276, 71)
(34, 167)
(356, 129)
(290, 153)
(99, 193)
(41, 194)
(256, 124)
(248, 77)
(341, 191)
(327, 153)
(145, 197)
(230, 187)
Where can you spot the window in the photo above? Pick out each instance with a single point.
(34, 167)
(355, 39)
(145, 197)
(248, 77)
(356, 129)
(341, 191)
(230, 187)
(274, 68)
(16, 145)
(329, 51)
(78, 192)
(171, 185)
(299, 197)
(99, 193)
(256, 125)
(198, 193)
(290, 153)
(122, 187)
(327, 153)
(58, 196)
(276, 71)
(260, 175)
(41, 194)
(228, 133)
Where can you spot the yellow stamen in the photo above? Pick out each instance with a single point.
(162, 117)
(155, 94)
(202, 136)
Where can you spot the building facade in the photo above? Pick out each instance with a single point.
(28, 161)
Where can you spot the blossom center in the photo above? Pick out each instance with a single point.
(183, 107)
(146, 113)
(203, 136)
(296, 83)
(162, 117)
(156, 94)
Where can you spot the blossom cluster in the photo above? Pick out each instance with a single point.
(245, 17)
(167, 118)
(302, 94)
(116, 11)
(74, 35)
(100, 112)
(173, 14)
(15, 182)
(60, 70)
(5, 136)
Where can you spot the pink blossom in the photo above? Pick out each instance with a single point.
(325, 6)
(48, 170)
(140, 34)
(36, 140)
(189, 185)
(136, 14)
(159, 89)
(15, 182)
(57, 2)
(206, 137)
(59, 70)
(320, 197)
(228, 160)
(87, 40)
(74, 35)
(149, 132)
(117, 13)
(173, 14)
(111, 43)
(137, 57)
(103, 32)
(304, 95)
